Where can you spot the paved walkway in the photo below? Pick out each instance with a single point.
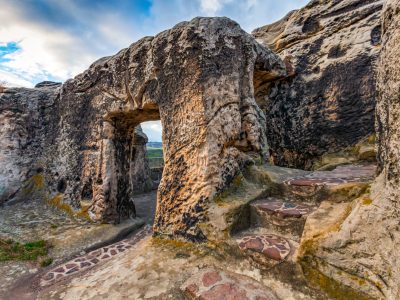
(34, 220)
(95, 257)
(146, 206)
(145, 209)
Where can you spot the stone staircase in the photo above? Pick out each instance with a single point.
(277, 221)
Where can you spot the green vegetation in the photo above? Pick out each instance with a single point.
(155, 156)
(154, 152)
(32, 251)
(46, 262)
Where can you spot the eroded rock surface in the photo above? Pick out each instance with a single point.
(358, 247)
(32, 159)
(198, 79)
(28, 130)
(328, 102)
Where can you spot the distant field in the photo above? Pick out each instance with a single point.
(154, 145)
(154, 152)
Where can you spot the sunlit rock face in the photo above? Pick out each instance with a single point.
(388, 131)
(327, 103)
(197, 78)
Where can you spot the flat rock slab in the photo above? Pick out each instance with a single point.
(340, 175)
(35, 220)
(283, 209)
(215, 284)
(269, 246)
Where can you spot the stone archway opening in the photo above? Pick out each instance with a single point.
(154, 150)
(147, 169)
(125, 188)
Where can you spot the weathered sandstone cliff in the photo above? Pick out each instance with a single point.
(360, 248)
(328, 102)
(28, 129)
(225, 103)
(31, 164)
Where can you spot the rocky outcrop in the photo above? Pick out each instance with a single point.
(198, 79)
(328, 102)
(28, 129)
(30, 158)
(355, 248)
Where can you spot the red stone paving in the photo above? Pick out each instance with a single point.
(92, 258)
(274, 206)
(211, 278)
(340, 175)
(224, 285)
(272, 246)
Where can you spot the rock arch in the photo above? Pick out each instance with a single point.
(197, 78)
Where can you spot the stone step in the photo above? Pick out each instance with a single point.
(279, 215)
(275, 256)
(344, 183)
(266, 250)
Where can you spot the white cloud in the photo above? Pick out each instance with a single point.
(153, 130)
(14, 80)
(44, 51)
(47, 52)
(211, 7)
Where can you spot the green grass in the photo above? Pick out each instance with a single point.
(32, 251)
(154, 152)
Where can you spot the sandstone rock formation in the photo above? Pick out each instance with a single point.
(355, 248)
(328, 102)
(82, 142)
(31, 164)
(27, 129)
(198, 79)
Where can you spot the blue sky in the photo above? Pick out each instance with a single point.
(58, 39)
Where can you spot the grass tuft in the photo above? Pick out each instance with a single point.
(32, 251)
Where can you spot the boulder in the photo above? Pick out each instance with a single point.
(327, 103)
(48, 84)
